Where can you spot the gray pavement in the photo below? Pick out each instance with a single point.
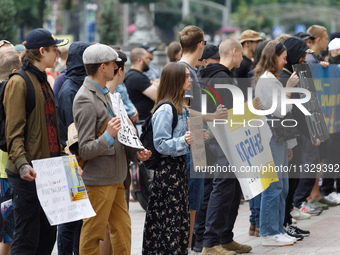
(324, 238)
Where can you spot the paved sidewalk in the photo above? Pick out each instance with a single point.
(324, 238)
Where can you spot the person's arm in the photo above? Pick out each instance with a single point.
(220, 113)
(163, 140)
(151, 92)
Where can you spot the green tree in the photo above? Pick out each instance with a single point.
(109, 23)
(8, 27)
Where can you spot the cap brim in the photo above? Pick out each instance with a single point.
(309, 51)
(61, 42)
(252, 39)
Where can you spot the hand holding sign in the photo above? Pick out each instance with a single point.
(113, 126)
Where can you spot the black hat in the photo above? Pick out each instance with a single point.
(334, 35)
(304, 36)
(210, 51)
(40, 37)
(147, 47)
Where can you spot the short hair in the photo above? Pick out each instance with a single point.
(7, 46)
(9, 61)
(135, 54)
(120, 64)
(91, 69)
(228, 45)
(189, 38)
(283, 37)
(32, 55)
(173, 49)
(316, 31)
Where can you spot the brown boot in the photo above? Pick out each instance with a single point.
(252, 230)
(216, 250)
(236, 247)
(257, 232)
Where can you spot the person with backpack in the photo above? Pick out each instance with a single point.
(30, 137)
(9, 63)
(166, 228)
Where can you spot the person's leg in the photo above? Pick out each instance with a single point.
(120, 223)
(26, 210)
(105, 246)
(93, 230)
(68, 237)
(5, 248)
(48, 235)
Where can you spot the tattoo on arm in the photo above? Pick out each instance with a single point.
(23, 171)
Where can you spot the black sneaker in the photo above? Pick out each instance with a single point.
(293, 233)
(300, 231)
(198, 247)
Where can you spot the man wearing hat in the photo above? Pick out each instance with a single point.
(31, 137)
(249, 40)
(106, 158)
(154, 74)
(306, 37)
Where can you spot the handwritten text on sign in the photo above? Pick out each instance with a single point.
(61, 190)
(126, 134)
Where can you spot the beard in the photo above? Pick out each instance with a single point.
(145, 67)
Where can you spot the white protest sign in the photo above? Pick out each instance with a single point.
(247, 149)
(197, 141)
(61, 190)
(126, 135)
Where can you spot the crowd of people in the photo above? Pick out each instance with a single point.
(76, 85)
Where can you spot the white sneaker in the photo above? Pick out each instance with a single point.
(310, 209)
(299, 215)
(334, 197)
(290, 237)
(277, 240)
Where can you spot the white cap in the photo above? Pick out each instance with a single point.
(334, 44)
(99, 53)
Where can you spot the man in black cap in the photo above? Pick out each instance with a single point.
(31, 137)
(210, 55)
(154, 74)
(306, 37)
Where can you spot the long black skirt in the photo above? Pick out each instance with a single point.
(166, 229)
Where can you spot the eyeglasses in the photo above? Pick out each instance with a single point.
(3, 42)
(205, 42)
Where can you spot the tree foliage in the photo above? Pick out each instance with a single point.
(109, 23)
(8, 27)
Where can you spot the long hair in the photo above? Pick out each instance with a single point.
(267, 61)
(171, 86)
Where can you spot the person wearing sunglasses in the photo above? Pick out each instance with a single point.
(5, 46)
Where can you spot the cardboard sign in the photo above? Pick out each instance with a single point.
(316, 122)
(126, 135)
(197, 143)
(61, 190)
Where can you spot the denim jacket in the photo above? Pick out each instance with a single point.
(165, 142)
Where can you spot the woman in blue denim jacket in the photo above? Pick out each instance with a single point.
(166, 229)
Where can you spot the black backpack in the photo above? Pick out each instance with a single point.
(30, 104)
(147, 137)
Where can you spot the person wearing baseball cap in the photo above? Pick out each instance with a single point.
(210, 55)
(249, 39)
(106, 158)
(154, 74)
(31, 136)
(306, 37)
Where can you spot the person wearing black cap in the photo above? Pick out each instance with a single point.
(210, 55)
(306, 37)
(154, 74)
(31, 137)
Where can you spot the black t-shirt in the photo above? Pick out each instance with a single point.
(243, 81)
(136, 83)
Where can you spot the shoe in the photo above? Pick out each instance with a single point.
(330, 203)
(300, 231)
(308, 208)
(198, 247)
(320, 205)
(333, 197)
(292, 232)
(289, 237)
(216, 250)
(237, 247)
(276, 240)
(257, 232)
(251, 230)
(298, 215)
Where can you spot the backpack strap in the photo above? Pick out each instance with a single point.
(30, 96)
(174, 113)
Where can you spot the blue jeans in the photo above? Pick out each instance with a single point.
(273, 201)
(196, 188)
(254, 206)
